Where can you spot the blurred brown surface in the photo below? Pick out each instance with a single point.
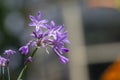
(101, 3)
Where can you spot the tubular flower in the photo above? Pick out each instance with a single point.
(24, 50)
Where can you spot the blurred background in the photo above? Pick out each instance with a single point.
(93, 30)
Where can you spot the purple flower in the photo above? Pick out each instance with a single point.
(3, 61)
(37, 22)
(63, 59)
(54, 37)
(29, 59)
(64, 50)
(8, 53)
(37, 35)
(31, 42)
(51, 26)
(59, 42)
(47, 35)
(24, 50)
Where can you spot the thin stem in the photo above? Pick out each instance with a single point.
(8, 72)
(34, 52)
(3, 77)
(23, 71)
(26, 66)
(1, 73)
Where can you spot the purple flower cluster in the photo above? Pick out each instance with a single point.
(4, 61)
(47, 35)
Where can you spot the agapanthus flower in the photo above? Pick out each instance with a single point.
(3, 61)
(8, 53)
(48, 35)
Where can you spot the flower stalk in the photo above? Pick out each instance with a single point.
(26, 66)
(8, 72)
(3, 72)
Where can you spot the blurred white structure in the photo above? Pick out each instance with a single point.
(77, 55)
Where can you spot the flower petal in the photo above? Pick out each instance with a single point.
(24, 50)
(44, 21)
(32, 24)
(64, 50)
(32, 18)
(38, 16)
(63, 59)
(52, 23)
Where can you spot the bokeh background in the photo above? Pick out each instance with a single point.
(93, 29)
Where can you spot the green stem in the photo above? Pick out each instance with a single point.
(8, 72)
(26, 66)
(0, 73)
(32, 55)
(3, 71)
